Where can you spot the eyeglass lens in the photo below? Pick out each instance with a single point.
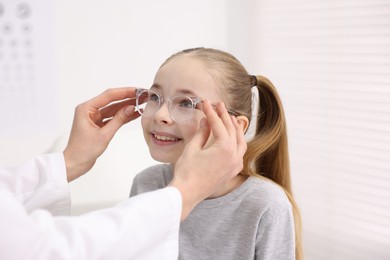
(180, 107)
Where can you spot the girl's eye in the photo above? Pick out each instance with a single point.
(185, 103)
(154, 97)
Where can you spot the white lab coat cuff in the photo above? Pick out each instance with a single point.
(52, 192)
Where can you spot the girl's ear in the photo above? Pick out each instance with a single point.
(243, 121)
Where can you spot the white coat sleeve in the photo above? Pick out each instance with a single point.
(143, 227)
(39, 184)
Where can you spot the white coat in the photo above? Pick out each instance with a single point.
(34, 194)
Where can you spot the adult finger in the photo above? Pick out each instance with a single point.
(226, 118)
(111, 109)
(200, 138)
(215, 122)
(111, 95)
(122, 117)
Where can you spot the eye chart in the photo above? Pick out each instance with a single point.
(28, 91)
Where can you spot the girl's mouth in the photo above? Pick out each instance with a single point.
(164, 139)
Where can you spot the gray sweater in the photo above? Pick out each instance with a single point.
(254, 221)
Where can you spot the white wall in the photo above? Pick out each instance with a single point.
(330, 63)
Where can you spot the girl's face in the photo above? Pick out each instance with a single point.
(183, 75)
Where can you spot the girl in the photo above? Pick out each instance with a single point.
(253, 216)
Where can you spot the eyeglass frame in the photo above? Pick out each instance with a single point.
(195, 102)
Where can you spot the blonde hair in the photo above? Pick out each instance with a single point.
(267, 155)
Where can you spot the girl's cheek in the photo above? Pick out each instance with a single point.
(145, 121)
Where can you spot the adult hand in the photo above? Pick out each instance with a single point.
(202, 168)
(94, 124)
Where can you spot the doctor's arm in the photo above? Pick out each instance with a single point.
(127, 231)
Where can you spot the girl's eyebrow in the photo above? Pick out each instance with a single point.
(157, 86)
(181, 91)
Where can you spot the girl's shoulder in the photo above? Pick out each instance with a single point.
(267, 193)
(155, 172)
(152, 178)
(161, 173)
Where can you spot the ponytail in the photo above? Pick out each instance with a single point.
(267, 154)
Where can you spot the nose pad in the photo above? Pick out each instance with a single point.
(163, 114)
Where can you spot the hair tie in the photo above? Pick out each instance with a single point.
(253, 80)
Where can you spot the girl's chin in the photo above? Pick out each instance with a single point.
(163, 159)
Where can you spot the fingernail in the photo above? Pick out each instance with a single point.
(129, 110)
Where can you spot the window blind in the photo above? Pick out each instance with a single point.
(330, 61)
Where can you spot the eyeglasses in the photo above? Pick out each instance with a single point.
(181, 107)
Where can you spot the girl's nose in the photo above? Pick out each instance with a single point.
(162, 115)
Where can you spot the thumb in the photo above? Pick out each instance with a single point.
(122, 117)
(202, 135)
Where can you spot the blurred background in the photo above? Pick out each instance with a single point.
(329, 59)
